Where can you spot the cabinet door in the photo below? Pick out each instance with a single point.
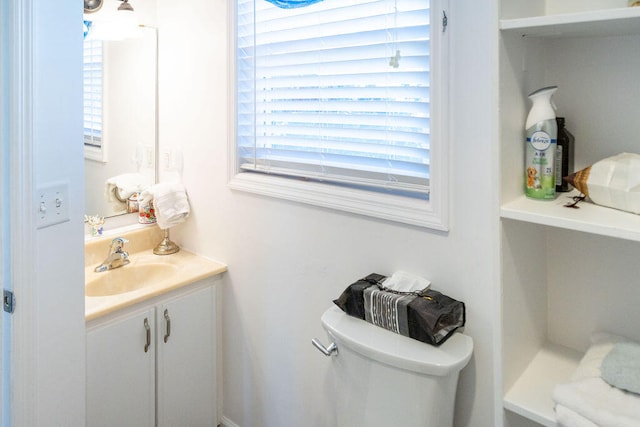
(186, 374)
(120, 373)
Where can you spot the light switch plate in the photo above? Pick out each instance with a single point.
(52, 204)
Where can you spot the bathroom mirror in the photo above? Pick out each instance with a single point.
(129, 122)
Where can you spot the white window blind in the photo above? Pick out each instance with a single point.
(336, 92)
(92, 84)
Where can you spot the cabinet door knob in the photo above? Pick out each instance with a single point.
(168, 320)
(148, 329)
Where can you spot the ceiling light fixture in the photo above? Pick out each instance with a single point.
(125, 6)
(91, 6)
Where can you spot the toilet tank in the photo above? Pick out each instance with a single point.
(381, 378)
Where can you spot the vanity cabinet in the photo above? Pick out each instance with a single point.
(565, 273)
(155, 364)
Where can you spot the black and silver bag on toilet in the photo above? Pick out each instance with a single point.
(428, 315)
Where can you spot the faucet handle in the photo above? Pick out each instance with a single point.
(117, 244)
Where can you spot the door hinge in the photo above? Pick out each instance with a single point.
(445, 21)
(8, 301)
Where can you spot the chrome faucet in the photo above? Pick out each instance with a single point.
(117, 256)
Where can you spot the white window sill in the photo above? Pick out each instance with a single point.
(383, 206)
(94, 153)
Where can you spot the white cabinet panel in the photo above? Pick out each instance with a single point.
(186, 361)
(120, 373)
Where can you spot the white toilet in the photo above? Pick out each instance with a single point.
(386, 379)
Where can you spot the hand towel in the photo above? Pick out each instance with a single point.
(568, 418)
(598, 402)
(401, 281)
(621, 367)
(169, 201)
(125, 185)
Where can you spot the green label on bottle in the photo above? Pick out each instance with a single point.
(539, 172)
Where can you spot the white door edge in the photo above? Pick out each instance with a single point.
(21, 216)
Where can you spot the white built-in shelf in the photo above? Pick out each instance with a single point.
(530, 395)
(608, 22)
(589, 218)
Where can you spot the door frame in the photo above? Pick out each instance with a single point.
(18, 218)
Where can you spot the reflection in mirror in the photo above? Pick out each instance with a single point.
(120, 157)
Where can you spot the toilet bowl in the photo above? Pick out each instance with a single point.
(385, 379)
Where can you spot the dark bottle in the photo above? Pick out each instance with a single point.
(564, 156)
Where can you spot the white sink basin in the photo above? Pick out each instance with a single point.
(129, 278)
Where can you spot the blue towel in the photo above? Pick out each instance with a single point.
(621, 367)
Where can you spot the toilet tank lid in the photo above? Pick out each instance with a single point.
(397, 350)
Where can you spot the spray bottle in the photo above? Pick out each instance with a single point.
(542, 132)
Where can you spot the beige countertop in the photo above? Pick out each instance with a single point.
(176, 270)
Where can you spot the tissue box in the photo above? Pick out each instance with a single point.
(428, 316)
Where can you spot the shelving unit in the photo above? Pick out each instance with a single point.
(530, 396)
(588, 218)
(614, 22)
(545, 331)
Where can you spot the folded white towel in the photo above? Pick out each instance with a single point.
(568, 418)
(598, 402)
(125, 185)
(402, 281)
(170, 202)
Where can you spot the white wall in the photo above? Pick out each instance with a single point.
(287, 261)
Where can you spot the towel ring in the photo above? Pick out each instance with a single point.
(117, 195)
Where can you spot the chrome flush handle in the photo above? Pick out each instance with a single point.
(327, 351)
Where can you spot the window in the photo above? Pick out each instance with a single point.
(339, 104)
(93, 99)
